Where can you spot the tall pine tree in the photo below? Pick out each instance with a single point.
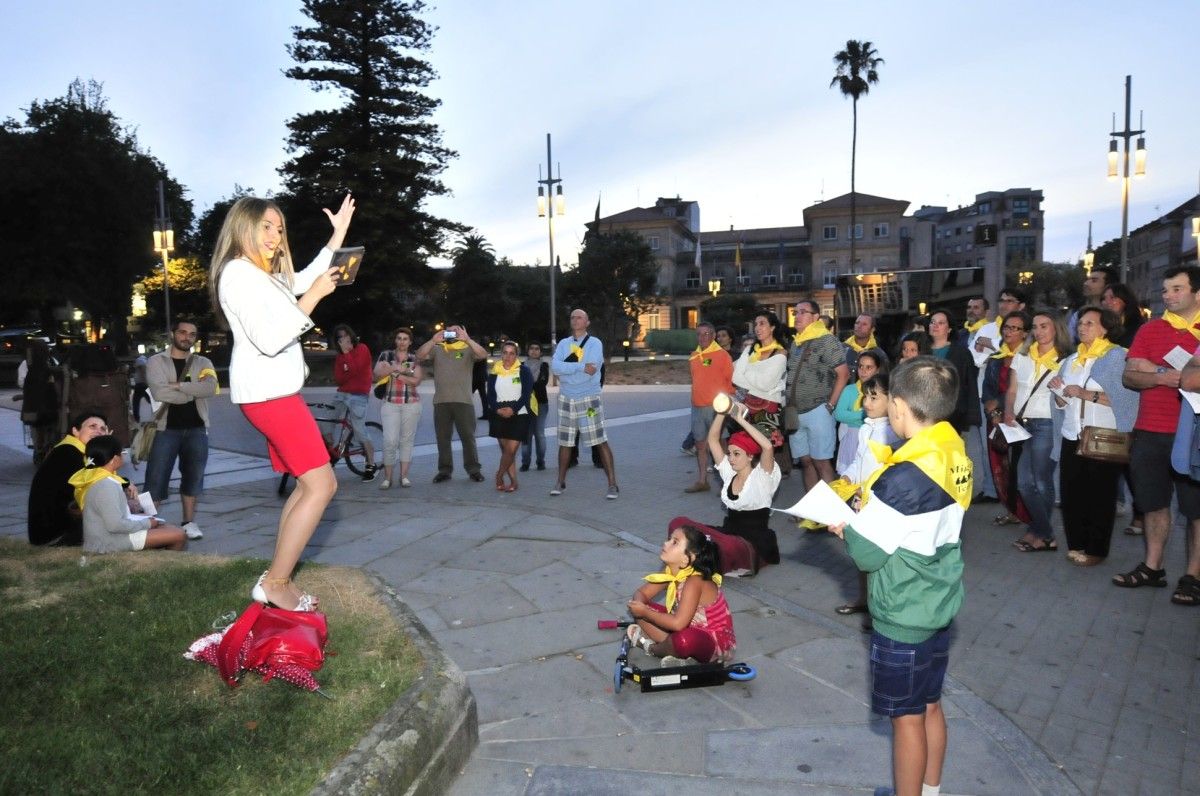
(380, 145)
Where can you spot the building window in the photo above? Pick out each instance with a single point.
(882, 229)
(693, 279)
(743, 280)
(985, 207)
(652, 321)
(957, 231)
(1020, 247)
(796, 276)
(829, 274)
(829, 232)
(970, 228)
(904, 233)
(1020, 207)
(653, 241)
(769, 279)
(857, 231)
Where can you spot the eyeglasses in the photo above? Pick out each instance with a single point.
(805, 312)
(1009, 328)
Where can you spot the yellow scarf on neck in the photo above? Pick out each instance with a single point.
(711, 348)
(812, 332)
(1004, 353)
(939, 453)
(74, 441)
(858, 401)
(860, 348)
(453, 345)
(88, 477)
(673, 582)
(758, 354)
(972, 328)
(500, 371)
(1099, 347)
(1178, 322)
(1043, 362)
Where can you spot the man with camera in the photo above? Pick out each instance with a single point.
(452, 354)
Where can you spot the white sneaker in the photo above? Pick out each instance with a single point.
(385, 484)
(405, 482)
(193, 531)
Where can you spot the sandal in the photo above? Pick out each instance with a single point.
(1187, 592)
(1045, 547)
(1142, 575)
(1133, 530)
(1006, 519)
(850, 608)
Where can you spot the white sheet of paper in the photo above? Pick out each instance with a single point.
(1012, 433)
(1193, 399)
(147, 503)
(1058, 392)
(981, 357)
(1177, 357)
(821, 504)
(142, 516)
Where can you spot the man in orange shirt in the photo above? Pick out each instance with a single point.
(712, 373)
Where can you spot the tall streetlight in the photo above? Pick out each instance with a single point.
(1139, 169)
(164, 244)
(550, 201)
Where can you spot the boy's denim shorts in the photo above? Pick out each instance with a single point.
(907, 677)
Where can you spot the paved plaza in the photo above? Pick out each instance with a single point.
(1059, 682)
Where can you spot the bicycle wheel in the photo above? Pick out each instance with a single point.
(355, 455)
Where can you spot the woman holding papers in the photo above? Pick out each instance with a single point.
(1088, 392)
(1027, 404)
(749, 476)
(1004, 456)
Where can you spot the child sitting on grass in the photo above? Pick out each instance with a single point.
(108, 525)
(906, 537)
(695, 622)
(875, 429)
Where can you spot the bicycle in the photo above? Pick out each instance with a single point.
(345, 446)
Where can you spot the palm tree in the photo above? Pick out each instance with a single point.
(855, 73)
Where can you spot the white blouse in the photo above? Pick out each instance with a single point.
(757, 492)
(1038, 407)
(763, 379)
(1094, 414)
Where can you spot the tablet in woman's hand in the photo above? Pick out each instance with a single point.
(347, 261)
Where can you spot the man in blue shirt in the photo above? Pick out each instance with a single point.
(577, 362)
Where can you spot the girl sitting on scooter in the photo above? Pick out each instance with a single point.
(695, 622)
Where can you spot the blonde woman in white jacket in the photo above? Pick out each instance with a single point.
(254, 293)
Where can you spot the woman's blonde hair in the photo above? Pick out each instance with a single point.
(240, 236)
(1062, 338)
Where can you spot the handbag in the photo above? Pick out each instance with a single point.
(997, 440)
(1103, 444)
(791, 414)
(143, 437)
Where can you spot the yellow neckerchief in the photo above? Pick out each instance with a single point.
(672, 581)
(85, 479)
(972, 328)
(453, 345)
(812, 332)
(939, 453)
(74, 441)
(709, 349)
(1041, 362)
(860, 348)
(858, 401)
(1178, 322)
(210, 372)
(1004, 353)
(500, 372)
(1099, 347)
(758, 354)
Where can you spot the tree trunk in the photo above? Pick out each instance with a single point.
(853, 197)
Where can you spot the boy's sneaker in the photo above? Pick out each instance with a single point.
(404, 482)
(369, 473)
(193, 531)
(386, 484)
(613, 492)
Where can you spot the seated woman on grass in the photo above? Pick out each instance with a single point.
(695, 622)
(108, 525)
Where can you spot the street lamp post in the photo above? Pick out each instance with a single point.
(164, 244)
(1139, 169)
(551, 201)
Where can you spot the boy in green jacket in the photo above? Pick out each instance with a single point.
(906, 538)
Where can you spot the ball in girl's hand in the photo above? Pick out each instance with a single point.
(722, 403)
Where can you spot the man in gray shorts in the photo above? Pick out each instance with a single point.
(712, 373)
(816, 375)
(577, 362)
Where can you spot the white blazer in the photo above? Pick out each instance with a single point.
(267, 360)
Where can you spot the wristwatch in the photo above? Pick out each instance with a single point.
(1095, 397)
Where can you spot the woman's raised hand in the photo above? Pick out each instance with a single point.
(341, 219)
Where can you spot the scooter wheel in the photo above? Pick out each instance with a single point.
(741, 672)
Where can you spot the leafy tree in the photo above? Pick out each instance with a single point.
(1048, 285)
(855, 74)
(188, 290)
(474, 291)
(527, 294)
(380, 145)
(735, 310)
(616, 280)
(77, 207)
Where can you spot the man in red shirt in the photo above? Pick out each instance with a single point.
(1151, 475)
(352, 373)
(712, 372)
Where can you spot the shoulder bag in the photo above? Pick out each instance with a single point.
(1103, 444)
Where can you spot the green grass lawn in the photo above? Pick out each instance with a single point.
(95, 695)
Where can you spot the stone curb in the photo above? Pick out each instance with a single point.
(426, 737)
